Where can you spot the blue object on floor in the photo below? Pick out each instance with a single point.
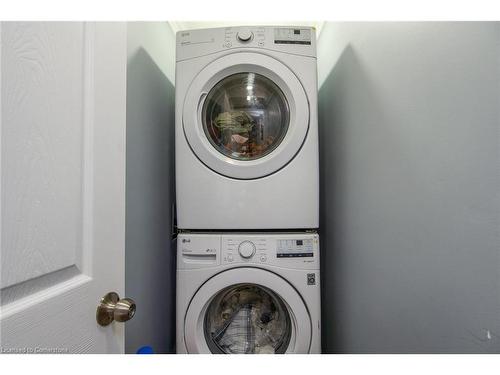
(145, 350)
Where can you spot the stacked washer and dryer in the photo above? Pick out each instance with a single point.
(247, 191)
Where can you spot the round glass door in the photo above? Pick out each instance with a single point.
(245, 116)
(260, 313)
(247, 319)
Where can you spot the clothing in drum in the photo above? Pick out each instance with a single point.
(247, 319)
(245, 116)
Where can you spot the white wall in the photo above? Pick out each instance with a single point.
(150, 253)
(409, 148)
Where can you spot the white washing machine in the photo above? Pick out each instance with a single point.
(248, 293)
(246, 128)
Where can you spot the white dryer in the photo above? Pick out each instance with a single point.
(246, 128)
(248, 293)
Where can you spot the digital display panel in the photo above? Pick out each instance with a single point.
(295, 248)
(284, 35)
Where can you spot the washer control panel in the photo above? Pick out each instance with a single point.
(286, 250)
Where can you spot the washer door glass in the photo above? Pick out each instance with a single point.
(245, 116)
(247, 318)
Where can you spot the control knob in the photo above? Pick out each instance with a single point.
(244, 35)
(246, 249)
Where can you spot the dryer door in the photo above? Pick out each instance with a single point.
(260, 313)
(245, 115)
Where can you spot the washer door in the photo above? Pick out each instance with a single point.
(245, 115)
(260, 313)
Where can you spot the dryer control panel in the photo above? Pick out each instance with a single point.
(298, 40)
(286, 250)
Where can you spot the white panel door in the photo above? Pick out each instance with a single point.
(63, 95)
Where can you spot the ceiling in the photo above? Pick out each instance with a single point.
(186, 25)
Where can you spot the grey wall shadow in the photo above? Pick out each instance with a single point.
(345, 86)
(354, 139)
(150, 250)
(407, 265)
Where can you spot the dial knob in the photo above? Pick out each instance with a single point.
(244, 35)
(246, 249)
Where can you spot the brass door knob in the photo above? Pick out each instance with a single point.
(113, 308)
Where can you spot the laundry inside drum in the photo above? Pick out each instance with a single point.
(247, 319)
(245, 116)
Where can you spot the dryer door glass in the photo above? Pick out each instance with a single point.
(247, 318)
(245, 116)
